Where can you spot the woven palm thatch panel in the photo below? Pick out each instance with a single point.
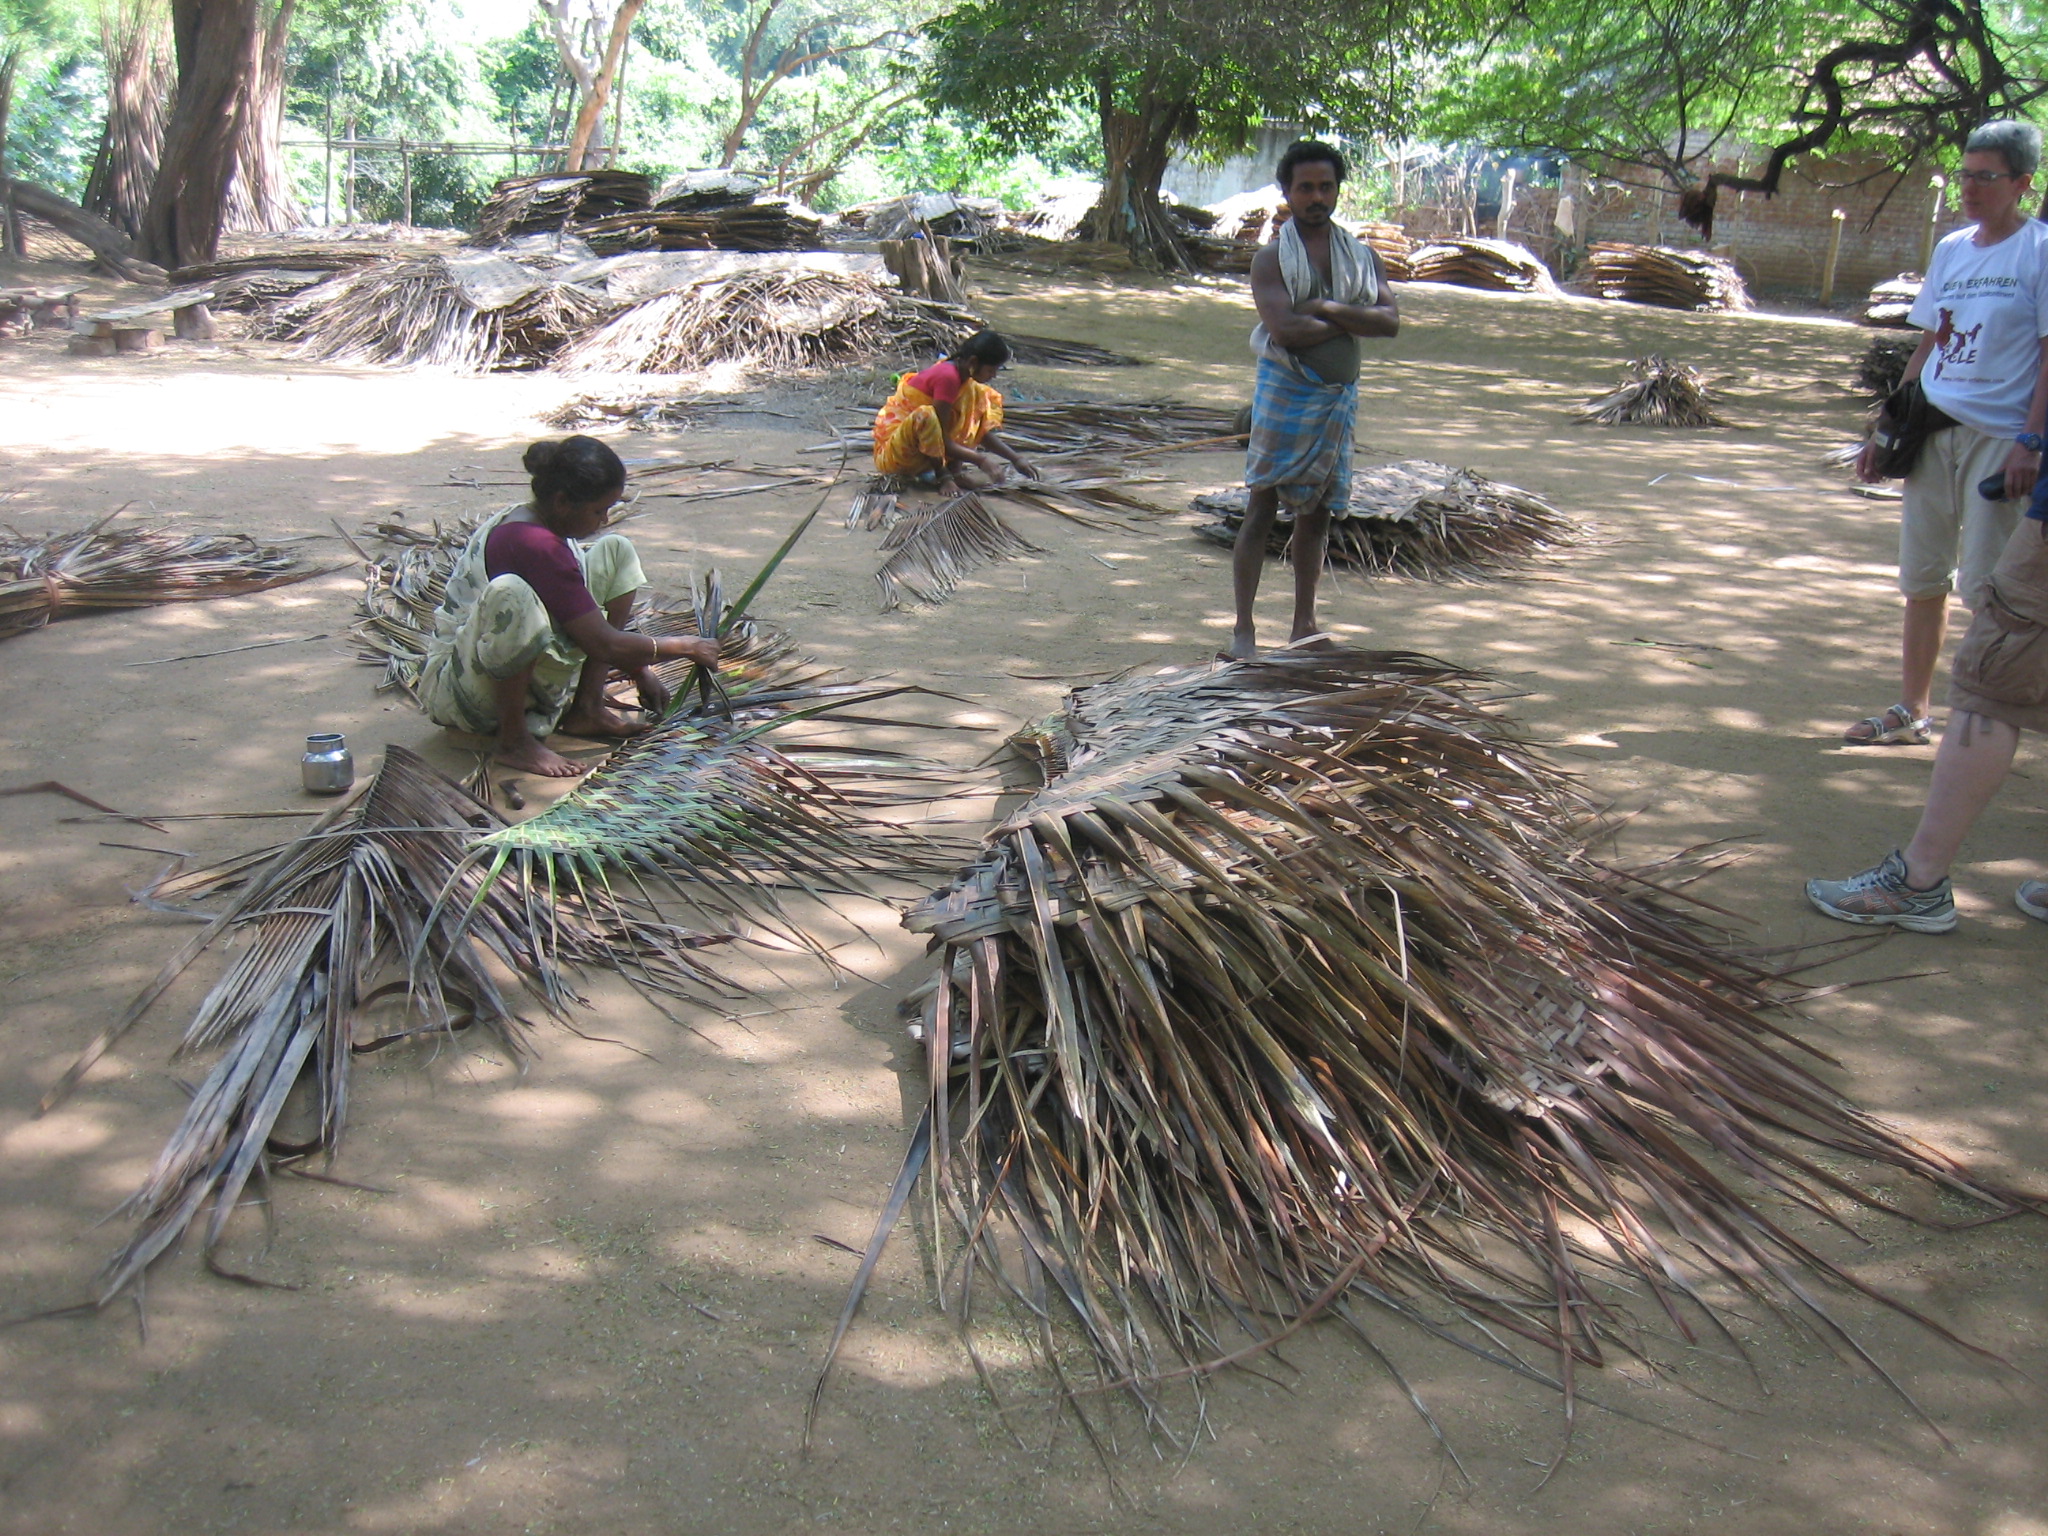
(1417, 518)
(1298, 990)
(1657, 274)
(1499, 265)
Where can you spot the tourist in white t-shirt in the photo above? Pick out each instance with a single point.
(1983, 310)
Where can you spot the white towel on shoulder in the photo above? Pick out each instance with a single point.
(1352, 279)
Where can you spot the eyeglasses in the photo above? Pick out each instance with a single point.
(1985, 178)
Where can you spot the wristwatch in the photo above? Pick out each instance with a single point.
(2031, 441)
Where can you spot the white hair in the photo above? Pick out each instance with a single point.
(2019, 143)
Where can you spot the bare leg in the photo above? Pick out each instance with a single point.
(1311, 538)
(1248, 564)
(517, 746)
(588, 714)
(1976, 753)
(1926, 619)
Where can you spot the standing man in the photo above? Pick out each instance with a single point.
(1317, 290)
(1984, 310)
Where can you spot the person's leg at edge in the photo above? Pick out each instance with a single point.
(1975, 755)
(518, 747)
(588, 714)
(1926, 622)
(1248, 564)
(1311, 540)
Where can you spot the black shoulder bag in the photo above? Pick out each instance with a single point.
(1904, 423)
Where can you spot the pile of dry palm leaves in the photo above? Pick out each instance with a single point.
(62, 575)
(1415, 518)
(1298, 993)
(1658, 393)
(771, 319)
(530, 205)
(1500, 266)
(472, 315)
(1656, 274)
(1891, 301)
(1883, 364)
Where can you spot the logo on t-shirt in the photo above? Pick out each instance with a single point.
(1957, 347)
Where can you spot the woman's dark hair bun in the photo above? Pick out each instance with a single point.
(573, 469)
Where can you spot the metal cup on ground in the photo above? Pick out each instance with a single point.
(327, 768)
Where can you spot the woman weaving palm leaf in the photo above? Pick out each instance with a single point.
(946, 417)
(532, 624)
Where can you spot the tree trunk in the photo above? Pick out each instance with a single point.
(582, 76)
(260, 197)
(10, 217)
(137, 49)
(218, 44)
(591, 113)
(107, 243)
(1136, 146)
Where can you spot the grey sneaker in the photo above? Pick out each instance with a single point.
(2032, 899)
(1881, 897)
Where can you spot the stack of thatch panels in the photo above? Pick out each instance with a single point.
(1892, 300)
(1499, 266)
(1656, 274)
(527, 205)
(772, 225)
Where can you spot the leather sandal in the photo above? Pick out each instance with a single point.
(1896, 727)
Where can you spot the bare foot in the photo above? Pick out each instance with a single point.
(1312, 640)
(531, 756)
(604, 721)
(1243, 646)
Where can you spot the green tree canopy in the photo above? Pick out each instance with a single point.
(1161, 76)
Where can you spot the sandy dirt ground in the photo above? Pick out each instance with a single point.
(593, 1298)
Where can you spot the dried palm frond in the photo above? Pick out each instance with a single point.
(1415, 518)
(1661, 394)
(770, 318)
(1112, 427)
(1046, 352)
(61, 575)
(414, 312)
(332, 922)
(1299, 989)
(933, 547)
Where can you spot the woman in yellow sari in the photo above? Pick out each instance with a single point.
(946, 417)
